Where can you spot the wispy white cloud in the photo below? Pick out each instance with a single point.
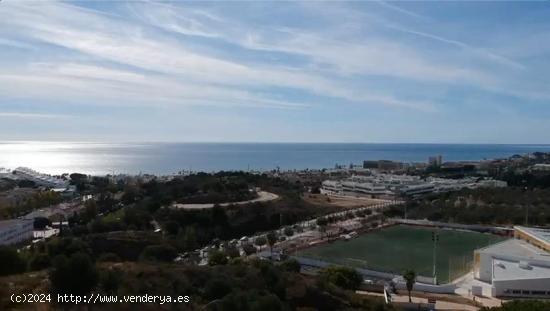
(26, 115)
(14, 43)
(128, 44)
(84, 83)
(375, 56)
(309, 57)
(480, 51)
(400, 10)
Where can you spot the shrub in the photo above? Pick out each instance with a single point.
(343, 277)
(249, 249)
(109, 257)
(159, 253)
(288, 231)
(322, 221)
(291, 265)
(73, 275)
(216, 258)
(232, 252)
(217, 288)
(10, 261)
(39, 262)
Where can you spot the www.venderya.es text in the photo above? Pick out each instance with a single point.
(97, 298)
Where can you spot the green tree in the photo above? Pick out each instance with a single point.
(232, 252)
(159, 253)
(39, 261)
(172, 227)
(260, 241)
(40, 223)
(288, 231)
(110, 280)
(73, 275)
(10, 261)
(269, 302)
(271, 240)
(321, 221)
(291, 265)
(343, 277)
(323, 230)
(189, 238)
(108, 257)
(216, 288)
(249, 249)
(216, 257)
(67, 247)
(90, 212)
(410, 279)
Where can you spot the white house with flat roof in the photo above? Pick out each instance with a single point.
(515, 267)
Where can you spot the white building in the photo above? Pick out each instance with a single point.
(5, 173)
(515, 267)
(14, 231)
(391, 184)
(41, 179)
(331, 187)
(435, 161)
(363, 188)
(541, 167)
(354, 188)
(411, 190)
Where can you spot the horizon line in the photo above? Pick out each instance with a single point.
(2, 141)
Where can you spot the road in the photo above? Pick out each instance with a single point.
(313, 222)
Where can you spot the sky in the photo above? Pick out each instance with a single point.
(227, 71)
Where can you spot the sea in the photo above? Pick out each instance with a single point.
(171, 158)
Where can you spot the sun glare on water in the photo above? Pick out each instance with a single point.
(49, 157)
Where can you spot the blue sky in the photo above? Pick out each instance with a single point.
(442, 72)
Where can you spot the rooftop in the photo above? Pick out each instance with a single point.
(513, 270)
(12, 222)
(4, 171)
(538, 233)
(517, 248)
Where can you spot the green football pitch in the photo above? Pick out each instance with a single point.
(401, 247)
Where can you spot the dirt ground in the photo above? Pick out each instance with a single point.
(263, 196)
(340, 201)
(443, 301)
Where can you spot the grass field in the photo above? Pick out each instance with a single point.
(401, 247)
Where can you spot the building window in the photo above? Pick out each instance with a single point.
(538, 292)
(525, 292)
(515, 291)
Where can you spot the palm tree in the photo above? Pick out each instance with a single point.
(271, 240)
(260, 241)
(410, 278)
(323, 231)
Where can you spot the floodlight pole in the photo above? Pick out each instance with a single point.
(435, 238)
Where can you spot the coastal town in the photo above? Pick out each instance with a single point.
(342, 208)
(161, 155)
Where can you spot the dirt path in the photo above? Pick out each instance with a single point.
(450, 303)
(263, 196)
